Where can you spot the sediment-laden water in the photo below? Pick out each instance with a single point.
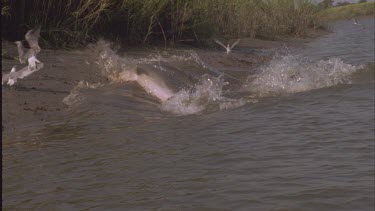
(294, 134)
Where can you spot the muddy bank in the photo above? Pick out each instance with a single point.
(39, 97)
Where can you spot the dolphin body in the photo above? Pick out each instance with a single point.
(151, 82)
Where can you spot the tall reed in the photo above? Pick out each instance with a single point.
(73, 23)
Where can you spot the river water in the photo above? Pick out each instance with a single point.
(294, 134)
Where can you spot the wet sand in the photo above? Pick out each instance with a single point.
(38, 98)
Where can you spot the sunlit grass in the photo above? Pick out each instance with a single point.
(349, 11)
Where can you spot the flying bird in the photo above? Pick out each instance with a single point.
(11, 77)
(228, 48)
(26, 71)
(32, 37)
(32, 61)
(26, 54)
(23, 53)
(5, 77)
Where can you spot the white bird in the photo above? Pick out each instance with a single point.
(23, 53)
(11, 77)
(26, 71)
(12, 81)
(32, 61)
(228, 48)
(32, 37)
(355, 22)
(5, 77)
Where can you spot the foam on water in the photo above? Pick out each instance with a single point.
(111, 65)
(293, 73)
(75, 97)
(205, 95)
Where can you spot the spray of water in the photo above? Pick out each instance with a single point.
(292, 74)
(286, 73)
(75, 98)
(204, 96)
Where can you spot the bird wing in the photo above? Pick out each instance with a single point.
(19, 73)
(235, 43)
(32, 37)
(21, 52)
(5, 78)
(25, 71)
(12, 74)
(218, 42)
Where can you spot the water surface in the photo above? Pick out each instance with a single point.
(296, 134)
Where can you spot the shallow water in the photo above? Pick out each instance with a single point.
(295, 134)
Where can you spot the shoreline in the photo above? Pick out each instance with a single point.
(39, 97)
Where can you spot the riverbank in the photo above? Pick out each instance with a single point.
(349, 11)
(135, 23)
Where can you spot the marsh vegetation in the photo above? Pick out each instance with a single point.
(348, 11)
(74, 23)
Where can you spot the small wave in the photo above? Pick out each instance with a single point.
(75, 98)
(292, 74)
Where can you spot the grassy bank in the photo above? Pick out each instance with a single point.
(74, 23)
(349, 11)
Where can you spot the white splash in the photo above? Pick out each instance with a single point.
(203, 96)
(120, 70)
(292, 74)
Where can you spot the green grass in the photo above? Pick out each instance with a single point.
(348, 11)
(75, 23)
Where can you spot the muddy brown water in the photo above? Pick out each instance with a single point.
(299, 135)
